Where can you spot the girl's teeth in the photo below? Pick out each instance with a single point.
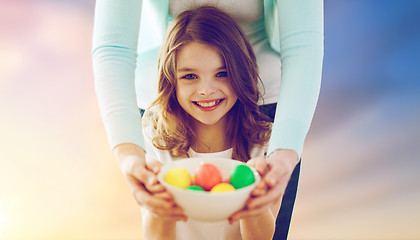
(208, 104)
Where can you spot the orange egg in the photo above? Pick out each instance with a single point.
(207, 176)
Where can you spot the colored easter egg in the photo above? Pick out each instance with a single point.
(178, 177)
(222, 187)
(195, 188)
(207, 176)
(242, 176)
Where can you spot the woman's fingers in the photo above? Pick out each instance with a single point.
(154, 166)
(260, 164)
(141, 177)
(269, 191)
(144, 175)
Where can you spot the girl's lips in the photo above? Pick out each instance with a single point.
(208, 105)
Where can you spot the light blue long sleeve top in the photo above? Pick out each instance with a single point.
(124, 29)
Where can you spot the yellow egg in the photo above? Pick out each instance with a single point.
(178, 177)
(222, 187)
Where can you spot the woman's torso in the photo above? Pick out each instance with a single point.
(249, 14)
(242, 11)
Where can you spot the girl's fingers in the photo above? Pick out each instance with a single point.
(174, 214)
(156, 188)
(144, 198)
(174, 210)
(171, 217)
(247, 213)
(163, 195)
(259, 190)
(153, 196)
(268, 199)
(175, 218)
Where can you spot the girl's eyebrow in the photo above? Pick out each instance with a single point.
(187, 69)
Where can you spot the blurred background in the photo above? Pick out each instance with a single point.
(360, 171)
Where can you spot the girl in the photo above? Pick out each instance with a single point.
(207, 105)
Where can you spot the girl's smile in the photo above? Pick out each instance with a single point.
(208, 105)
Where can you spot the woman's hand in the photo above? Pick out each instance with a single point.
(276, 172)
(141, 177)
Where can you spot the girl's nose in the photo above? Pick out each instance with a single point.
(207, 87)
(206, 92)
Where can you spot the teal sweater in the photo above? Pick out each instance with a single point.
(121, 32)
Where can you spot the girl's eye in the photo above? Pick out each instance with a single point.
(221, 74)
(190, 76)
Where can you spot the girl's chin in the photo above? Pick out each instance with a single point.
(208, 121)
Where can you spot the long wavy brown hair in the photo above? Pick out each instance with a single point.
(173, 127)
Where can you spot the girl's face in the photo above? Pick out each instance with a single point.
(203, 88)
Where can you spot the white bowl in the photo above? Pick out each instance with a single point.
(206, 206)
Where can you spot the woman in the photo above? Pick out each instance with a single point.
(287, 37)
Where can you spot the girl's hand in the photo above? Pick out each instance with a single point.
(276, 172)
(141, 177)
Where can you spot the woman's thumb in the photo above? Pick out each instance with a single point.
(146, 176)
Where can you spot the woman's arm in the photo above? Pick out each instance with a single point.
(301, 31)
(300, 27)
(114, 54)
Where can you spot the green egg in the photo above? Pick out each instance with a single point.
(195, 188)
(242, 176)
